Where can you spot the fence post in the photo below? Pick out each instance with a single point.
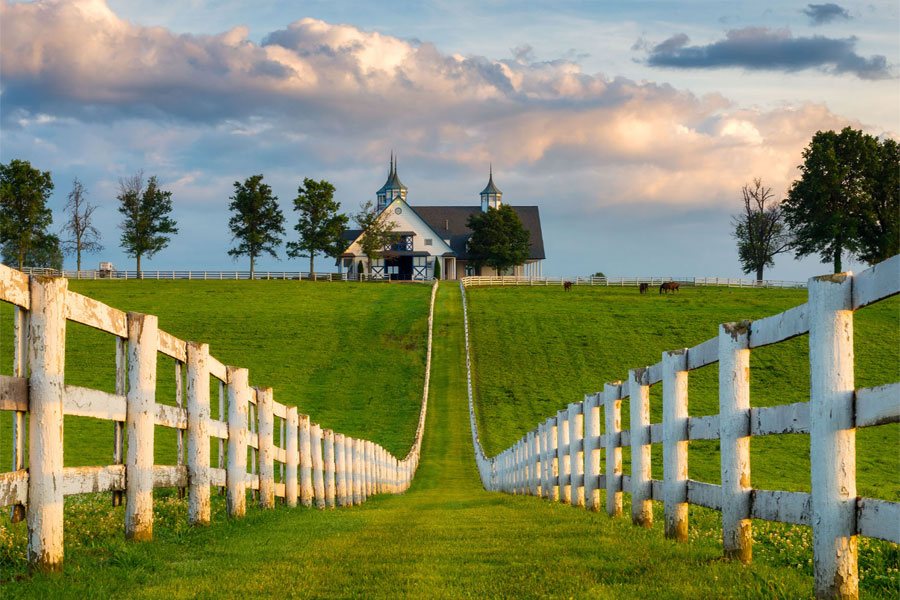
(576, 457)
(734, 435)
(143, 341)
(370, 480)
(221, 442)
(119, 426)
(591, 451)
(198, 432)
(358, 490)
(542, 456)
(553, 449)
(265, 406)
(641, 491)
(315, 440)
(180, 434)
(353, 466)
(292, 456)
(612, 410)
(47, 360)
(328, 434)
(236, 473)
(832, 436)
(340, 470)
(306, 486)
(562, 453)
(675, 443)
(20, 358)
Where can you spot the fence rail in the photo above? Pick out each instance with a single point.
(116, 275)
(315, 465)
(517, 280)
(560, 459)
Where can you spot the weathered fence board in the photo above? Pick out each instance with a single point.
(90, 480)
(878, 405)
(13, 393)
(92, 313)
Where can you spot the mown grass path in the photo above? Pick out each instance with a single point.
(445, 538)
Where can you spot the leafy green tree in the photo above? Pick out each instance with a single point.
(44, 252)
(878, 216)
(146, 224)
(24, 216)
(499, 239)
(83, 236)
(822, 208)
(320, 225)
(760, 230)
(437, 267)
(257, 222)
(377, 231)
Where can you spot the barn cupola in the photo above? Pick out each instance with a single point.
(491, 194)
(393, 188)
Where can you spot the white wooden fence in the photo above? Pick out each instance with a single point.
(518, 280)
(560, 458)
(117, 275)
(316, 465)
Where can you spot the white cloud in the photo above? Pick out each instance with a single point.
(347, 95)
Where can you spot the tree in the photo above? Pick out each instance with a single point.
(878, 215)
(822, 206)
(437, 267)
(760, 230)
(377, 231)
(80, 226)
(24, 216)
(258, 222)
(320, 226)
(499, 239)
(44, 252)
(146, 224)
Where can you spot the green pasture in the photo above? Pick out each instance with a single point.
(445, 538)
(351, 355)
(538, 349)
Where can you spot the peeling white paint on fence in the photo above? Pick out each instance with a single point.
(313, 464)
(835, 410)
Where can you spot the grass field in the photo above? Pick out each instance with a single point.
(444, 538)
(538, 349)
(335, 350)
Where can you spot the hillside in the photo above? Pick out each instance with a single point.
(351, 355)
(538, 349)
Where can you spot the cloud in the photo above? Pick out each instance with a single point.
(819, 14)
(761, 48)
(336, 97)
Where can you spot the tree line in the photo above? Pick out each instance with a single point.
(845, 202)
(257, 223)
(147, 226)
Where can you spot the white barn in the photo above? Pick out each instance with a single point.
(428, 234)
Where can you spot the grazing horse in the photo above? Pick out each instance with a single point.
(669, 286)
(645, 287)
(567, 285)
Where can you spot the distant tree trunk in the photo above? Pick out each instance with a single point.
(251, 266)
(139, 274)
(311, 263)
(21, 259)
(759, 273)
(838, 250)
(78, 252)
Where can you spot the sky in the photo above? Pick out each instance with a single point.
(633, 126)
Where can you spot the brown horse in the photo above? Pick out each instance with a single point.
(567, 285)
(669, 286)
(645, 287)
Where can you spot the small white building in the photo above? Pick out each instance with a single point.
(435, 233)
